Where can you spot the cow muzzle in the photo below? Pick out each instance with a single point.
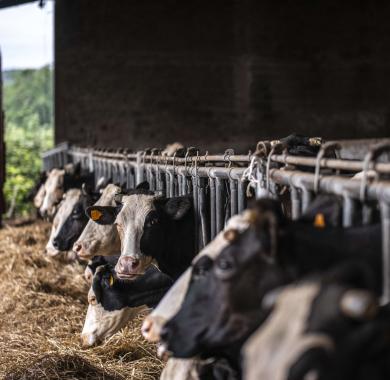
(151, 328)
(128, 268)
(83, 249)
(88, 340)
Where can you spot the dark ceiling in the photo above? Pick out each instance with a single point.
(11, 3)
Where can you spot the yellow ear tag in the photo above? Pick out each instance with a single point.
(319, 221)
(96, 215)
(111, 281)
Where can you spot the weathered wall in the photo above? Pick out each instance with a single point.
(220, 73)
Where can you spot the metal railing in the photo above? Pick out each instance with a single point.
(221, 184)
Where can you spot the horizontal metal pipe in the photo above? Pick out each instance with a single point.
(379, 190)
(329, 163)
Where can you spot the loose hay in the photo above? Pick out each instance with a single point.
(42, 306)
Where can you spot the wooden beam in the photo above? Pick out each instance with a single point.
(2, 149)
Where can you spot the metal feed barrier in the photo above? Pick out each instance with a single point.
(220, 184)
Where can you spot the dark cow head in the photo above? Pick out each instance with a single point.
(143, 221)
(96, 262)
(113, 302)
(320, 329)
(75, 222)
(221, 307)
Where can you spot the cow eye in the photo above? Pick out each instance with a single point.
(92, 300)
(225, 266)
(152, 222)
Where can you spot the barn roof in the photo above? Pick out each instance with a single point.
(11, 3)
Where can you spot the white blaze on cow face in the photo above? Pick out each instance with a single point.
(272, 350)
(40, 195)
(171, 302)
(71, 197)
(130, 223)
(54, 191)
(97, 239)
(101, 324)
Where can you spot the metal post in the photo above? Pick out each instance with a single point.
(196, 211)
(213, 227)
(140, 170)
(233, 197)
(241, 195)
(203, 213)
(219, 204)
(349, 207)
(385, 216)
(295, 203)
(307, 197)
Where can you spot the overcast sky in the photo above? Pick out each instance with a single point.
(26, 36)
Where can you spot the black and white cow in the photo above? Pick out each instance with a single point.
(58, 182)
(114, 302)
(328, 328)
(151, 228)
(269, 253)
(69, 221)
(103, 240)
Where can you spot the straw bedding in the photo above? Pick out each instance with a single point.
(42, 307)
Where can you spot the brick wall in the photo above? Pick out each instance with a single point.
(219, 74)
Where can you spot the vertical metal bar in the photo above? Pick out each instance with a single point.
(204, 220)
(295, 203)
(307, 197)
(367, 214)
(233, 197)
(140, 171)
(213, 226)
(241, 195)
(219, 196)
(349, 206)
(171, 185)
(196, 211)
(385, 216)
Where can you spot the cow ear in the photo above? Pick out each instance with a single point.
(143, 186)
(176, 208)
(102, 183)
(103, 214)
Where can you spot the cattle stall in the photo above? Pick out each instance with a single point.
(222, 183)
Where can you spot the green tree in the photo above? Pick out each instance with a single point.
(28, 106)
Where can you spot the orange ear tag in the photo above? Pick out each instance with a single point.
(96, 215)
(111, 281)
(319, 221)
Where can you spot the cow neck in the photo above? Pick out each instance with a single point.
(303, 248)
(178, 250)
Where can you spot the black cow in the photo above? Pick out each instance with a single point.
(151, 227)
(221, 308)
(113, 302)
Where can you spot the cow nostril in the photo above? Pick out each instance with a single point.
(77, 247)
(146, 326)
(55, 243)
(134, 264)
